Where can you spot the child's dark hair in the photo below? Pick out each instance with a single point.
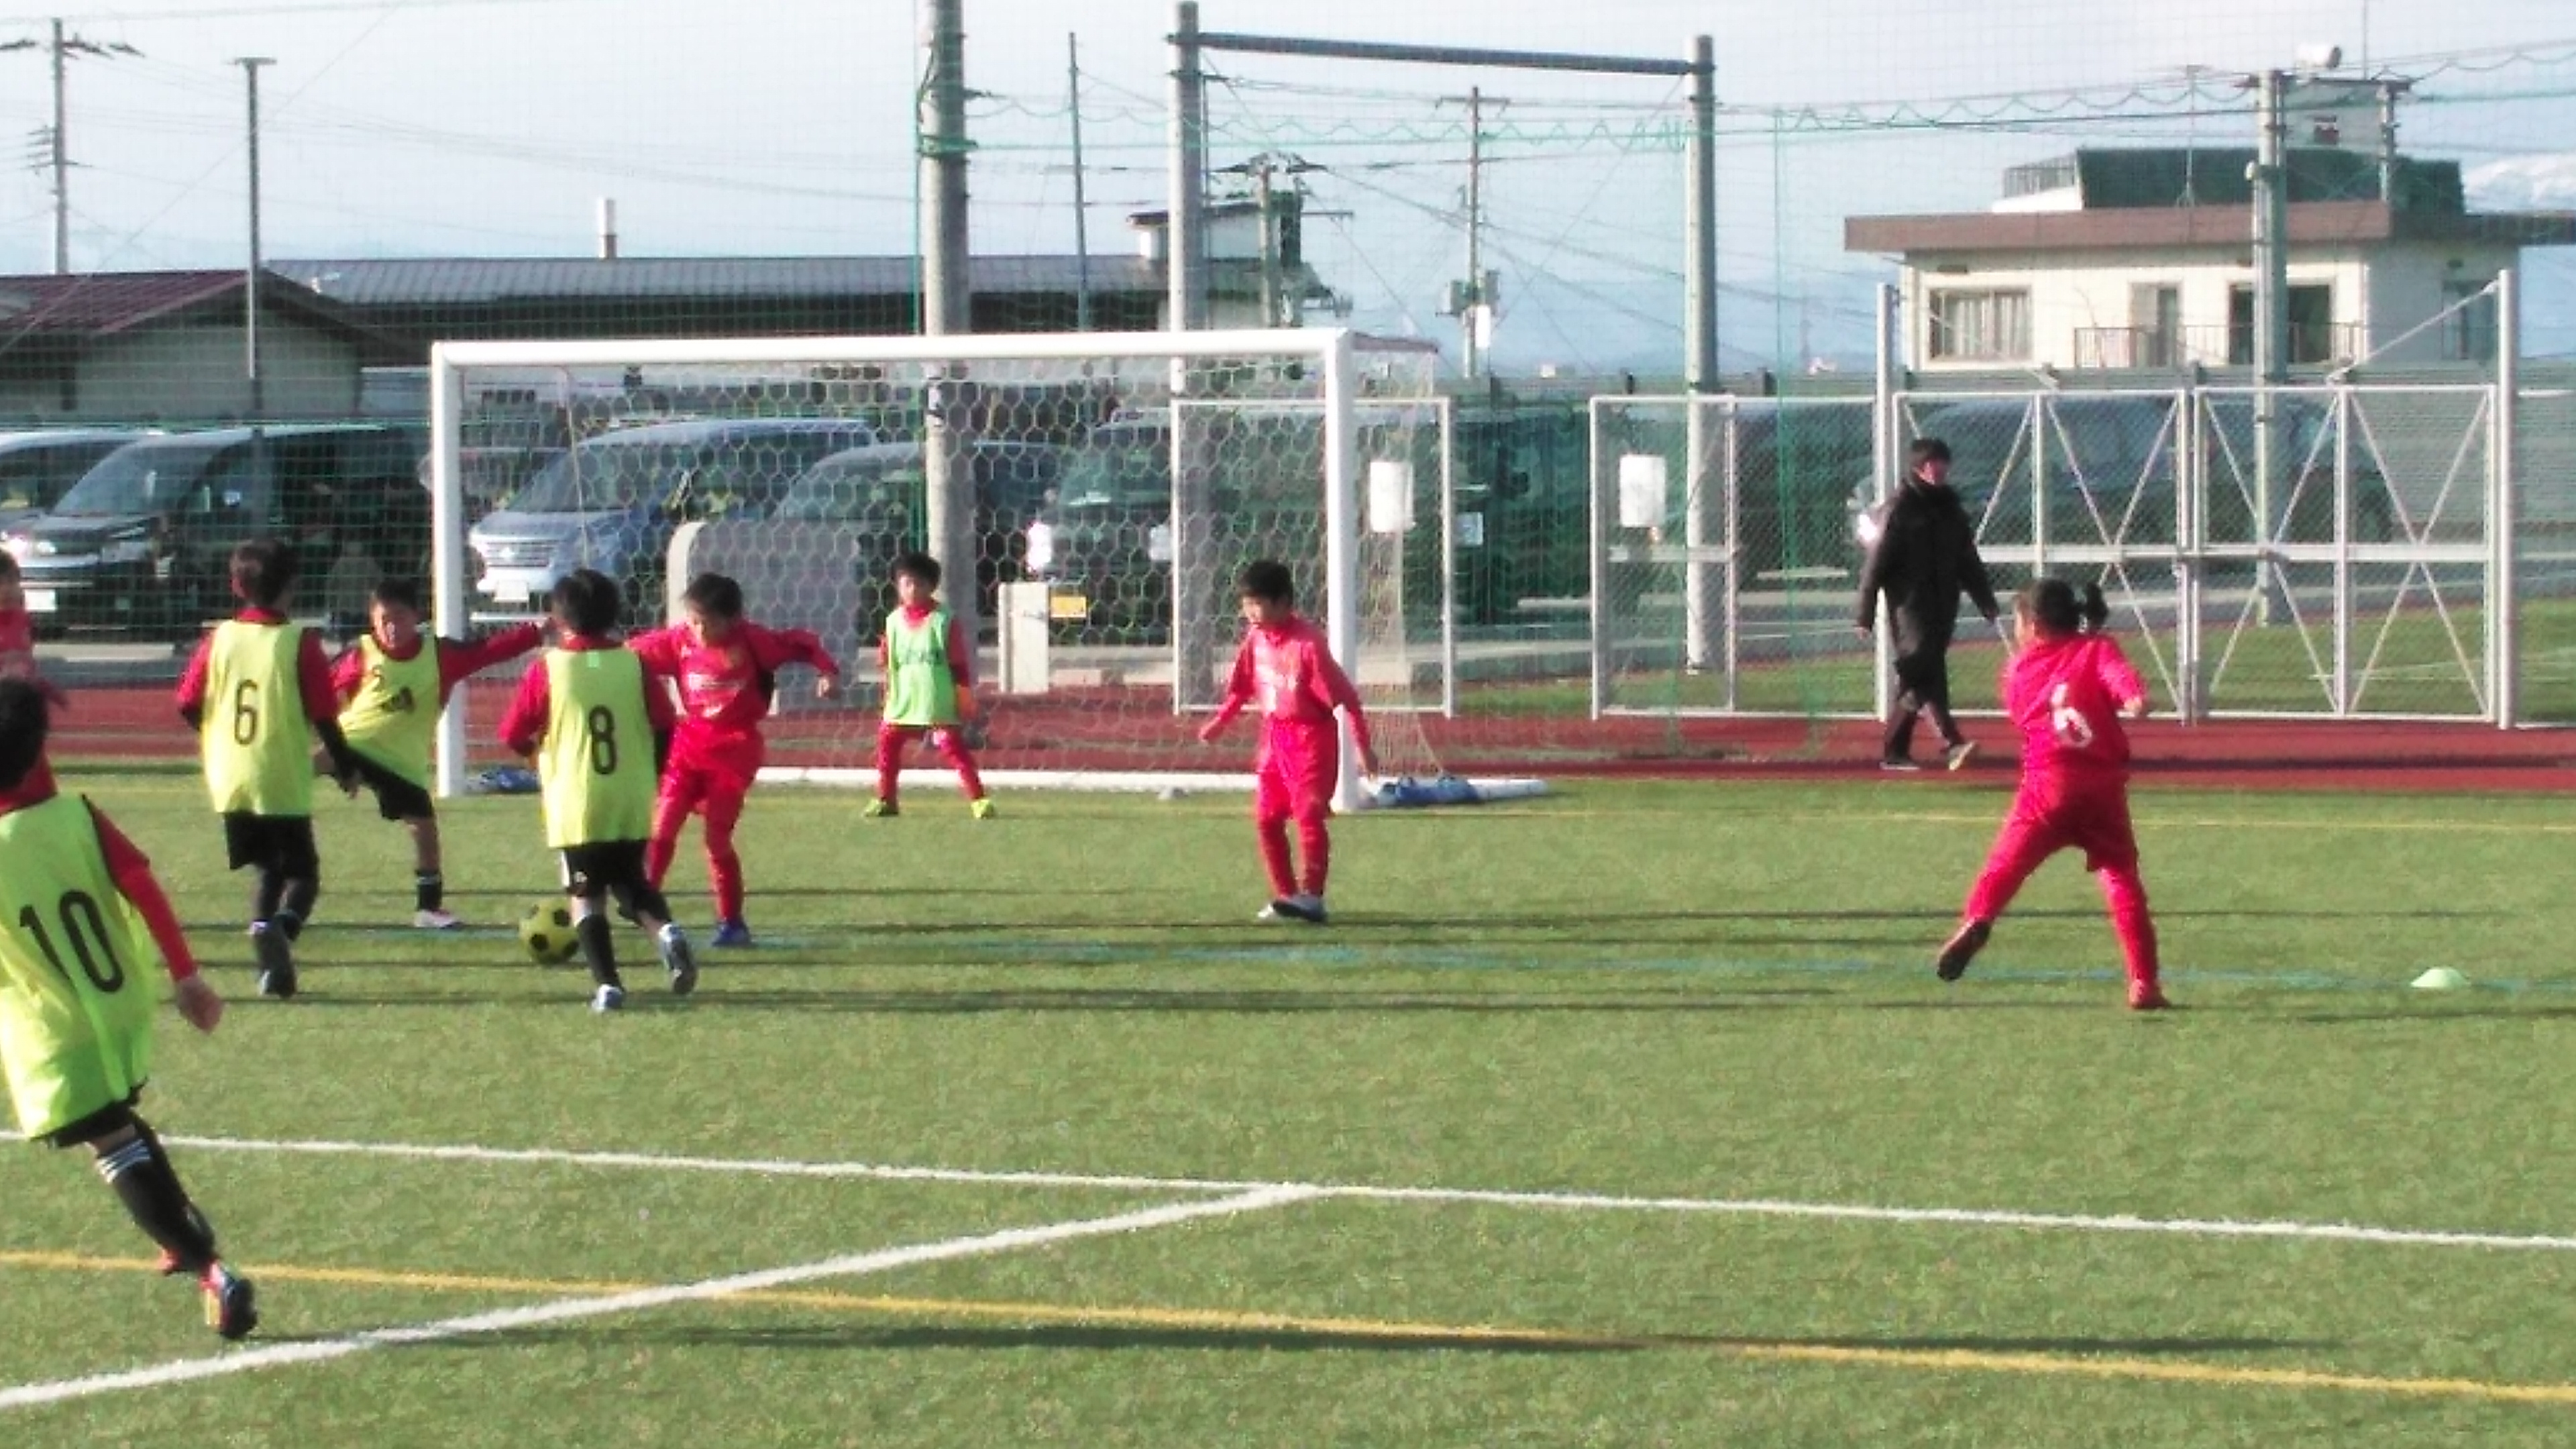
(1925, 450)
(1267, 580)
(8, 568)
(24, 719)
(397, 594)
(263, 570)
(715, 595)
(2058, 608)
(914, 564)
(587, 601)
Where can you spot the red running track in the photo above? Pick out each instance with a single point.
(1096, 731)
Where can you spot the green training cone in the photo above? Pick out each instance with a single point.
(2441, 978)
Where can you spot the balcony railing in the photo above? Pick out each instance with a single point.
(2165, 348)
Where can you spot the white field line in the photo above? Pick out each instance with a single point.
(282, 1355)
(1601, 1202)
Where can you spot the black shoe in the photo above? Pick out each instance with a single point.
(276, 962)
(1962, 949)
(1901, 764)
(232, 1308)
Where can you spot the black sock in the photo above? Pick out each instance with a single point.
(428, 890)
(287, 922)
(598, 948)
(149, 1187)
(267, 888)
(301, 892)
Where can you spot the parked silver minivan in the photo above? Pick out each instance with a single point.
(612, 501)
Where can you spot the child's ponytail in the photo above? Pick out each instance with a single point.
(2095, 609)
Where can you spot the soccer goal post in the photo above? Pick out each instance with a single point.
(1090, 497)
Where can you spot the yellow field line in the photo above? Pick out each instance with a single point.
(1229, 1321)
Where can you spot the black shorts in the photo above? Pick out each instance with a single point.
(602, 865)
(279, 843)
(396, 797)
(105, 1122)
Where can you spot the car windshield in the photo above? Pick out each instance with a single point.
(140, 479)
(1117, 475)
(605, 475)
(733, 476)
(847, 489)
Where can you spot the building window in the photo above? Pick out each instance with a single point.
(2315, 337)
(1986, 326)
(2468, 322)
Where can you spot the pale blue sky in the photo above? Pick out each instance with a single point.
(490, 127)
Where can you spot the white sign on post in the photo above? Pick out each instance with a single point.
(1645, 483)
(1390, 495)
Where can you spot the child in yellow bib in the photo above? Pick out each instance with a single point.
(598, 726)
(84, 932)
(258, 693)
(392, 684)
(929, 687)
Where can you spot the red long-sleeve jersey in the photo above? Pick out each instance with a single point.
(312, 675)
(726, 689)
(2065, 696)
(524, 723)
(458, 659)
(126, 865)
(1288, 670)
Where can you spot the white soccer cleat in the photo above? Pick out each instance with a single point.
(608, 998)
(434, 921)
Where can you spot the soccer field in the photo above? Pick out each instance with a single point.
(1630, 1116)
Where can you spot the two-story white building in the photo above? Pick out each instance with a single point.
(2143, 258)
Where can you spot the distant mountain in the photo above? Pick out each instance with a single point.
(2523, 183)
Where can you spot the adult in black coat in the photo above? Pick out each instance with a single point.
(1925, 555)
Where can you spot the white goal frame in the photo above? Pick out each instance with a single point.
(1330, 349)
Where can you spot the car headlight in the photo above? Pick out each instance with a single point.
(19, 546)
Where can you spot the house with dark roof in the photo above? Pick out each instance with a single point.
(170, 347)
(420, 302)
(2143, 258)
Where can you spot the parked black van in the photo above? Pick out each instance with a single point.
(143, 541)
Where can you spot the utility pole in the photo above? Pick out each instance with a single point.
(62, 168)
(1081, 216)
(1473, 299)
(250, 65)
(60, 49)
(947, 303)
(1269, 219)
(2271, 353)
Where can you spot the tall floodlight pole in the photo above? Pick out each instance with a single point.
(1194, 585)
(947, 302)
(250, 65)
(2271, 353)
(1709, 590)
(1081, 212)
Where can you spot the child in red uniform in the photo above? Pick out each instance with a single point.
(2067, 686)
(18, 632)
(390, 700)
(728, 672)
(1286, 667)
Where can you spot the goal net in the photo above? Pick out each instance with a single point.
(1090, 497)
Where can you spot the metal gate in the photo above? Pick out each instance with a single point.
(2312, 551)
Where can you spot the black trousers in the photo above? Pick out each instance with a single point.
(1922, 687)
